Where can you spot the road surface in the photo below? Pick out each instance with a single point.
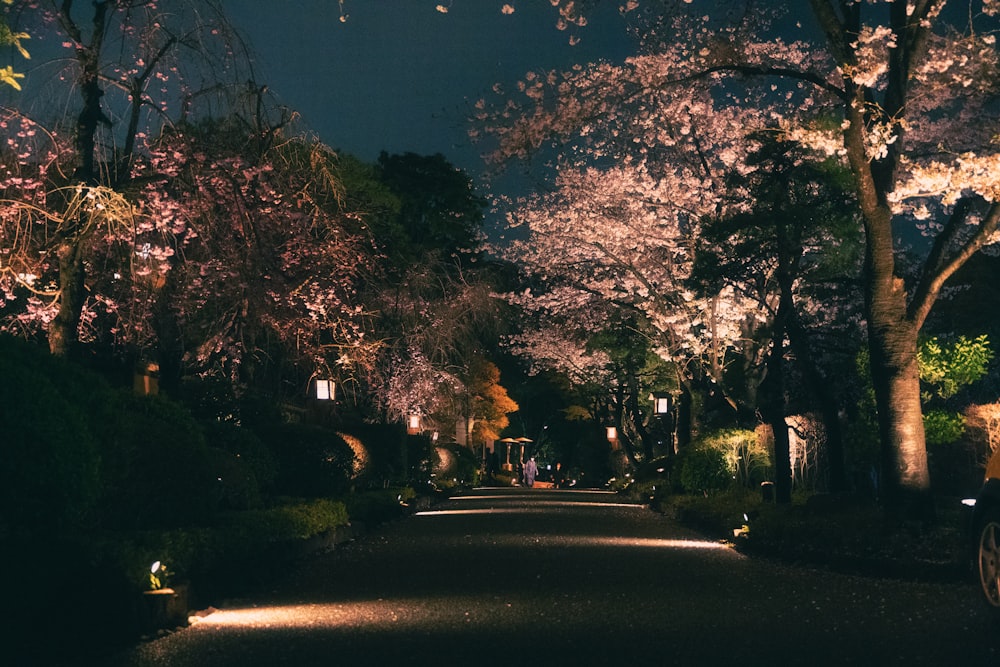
(533, 576)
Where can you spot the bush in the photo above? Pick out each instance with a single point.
(49, 459)
(386, 447)
(747, 459)
(244, 466)
(378, 505)
(455, 465)
(942, 427)
(157, 468)
(704, 470)
(717, 515)
(313, 462)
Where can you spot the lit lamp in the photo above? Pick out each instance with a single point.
(413, 423)
(613, 437)
(661, 402)
(325, 390)
(147, 379)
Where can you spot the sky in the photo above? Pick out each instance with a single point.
(398, 75)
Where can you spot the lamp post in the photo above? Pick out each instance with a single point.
(661, 402)
(662, 408)
(413, 423)
(612, 434)
(325, 390)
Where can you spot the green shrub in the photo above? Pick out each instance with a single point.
(716, 515)
(704, 470)
(942, 427)
(299, 520)
(197, 551)
(49, 464)
(504, 478)
(313, 462)
(378, 505)
(386, 446)
(747, 459)
(455, 466)
(245, 468)
(157, 468)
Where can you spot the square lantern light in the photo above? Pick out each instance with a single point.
(325, 390)
(612, 434)
(661, 402)
(413, 423)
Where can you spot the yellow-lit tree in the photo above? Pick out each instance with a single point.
(488, 403)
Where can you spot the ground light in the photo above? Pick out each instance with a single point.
(425, 612)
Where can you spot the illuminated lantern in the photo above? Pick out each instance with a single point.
(661, 402)
(413, 424)
(325, 389)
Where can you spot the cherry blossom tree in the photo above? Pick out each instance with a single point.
(263, 283)
(135, 66)
(899, 90)
(798, 248)
(625, 234)
(435, 303)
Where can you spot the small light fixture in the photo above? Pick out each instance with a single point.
(612, 434)
(325, 390)
(413, 423)
(661, 402)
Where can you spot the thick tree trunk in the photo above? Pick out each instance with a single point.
(905, 483)
(64, 328)
(892, 343)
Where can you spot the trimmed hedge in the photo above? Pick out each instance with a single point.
(49, 462)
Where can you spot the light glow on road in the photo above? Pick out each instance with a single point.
(397, 614)
(649, 543)
(542, 509)
(368, 613)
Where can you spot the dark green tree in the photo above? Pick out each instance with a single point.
(792, 251)
(439, 210)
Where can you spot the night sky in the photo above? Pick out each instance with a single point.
(397, 75)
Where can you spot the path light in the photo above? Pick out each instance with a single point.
(613, 437)
(157, 576)
(661, 402)
(413, 423)
(325, 390)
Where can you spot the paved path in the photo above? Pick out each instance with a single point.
(500, 577)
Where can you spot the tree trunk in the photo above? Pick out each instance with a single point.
(684, 426)
(892, 343)
(64, 328)
(772, 392)
(905, 483)
(828, 401)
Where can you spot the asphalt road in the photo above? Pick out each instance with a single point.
(525, 576)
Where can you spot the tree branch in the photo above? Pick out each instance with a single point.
(939, 267)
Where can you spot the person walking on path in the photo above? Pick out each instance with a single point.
(530, 471)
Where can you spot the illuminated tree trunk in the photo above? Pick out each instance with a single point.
(892, 340)
(63, 331)
(63, 328)
(892, 343)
